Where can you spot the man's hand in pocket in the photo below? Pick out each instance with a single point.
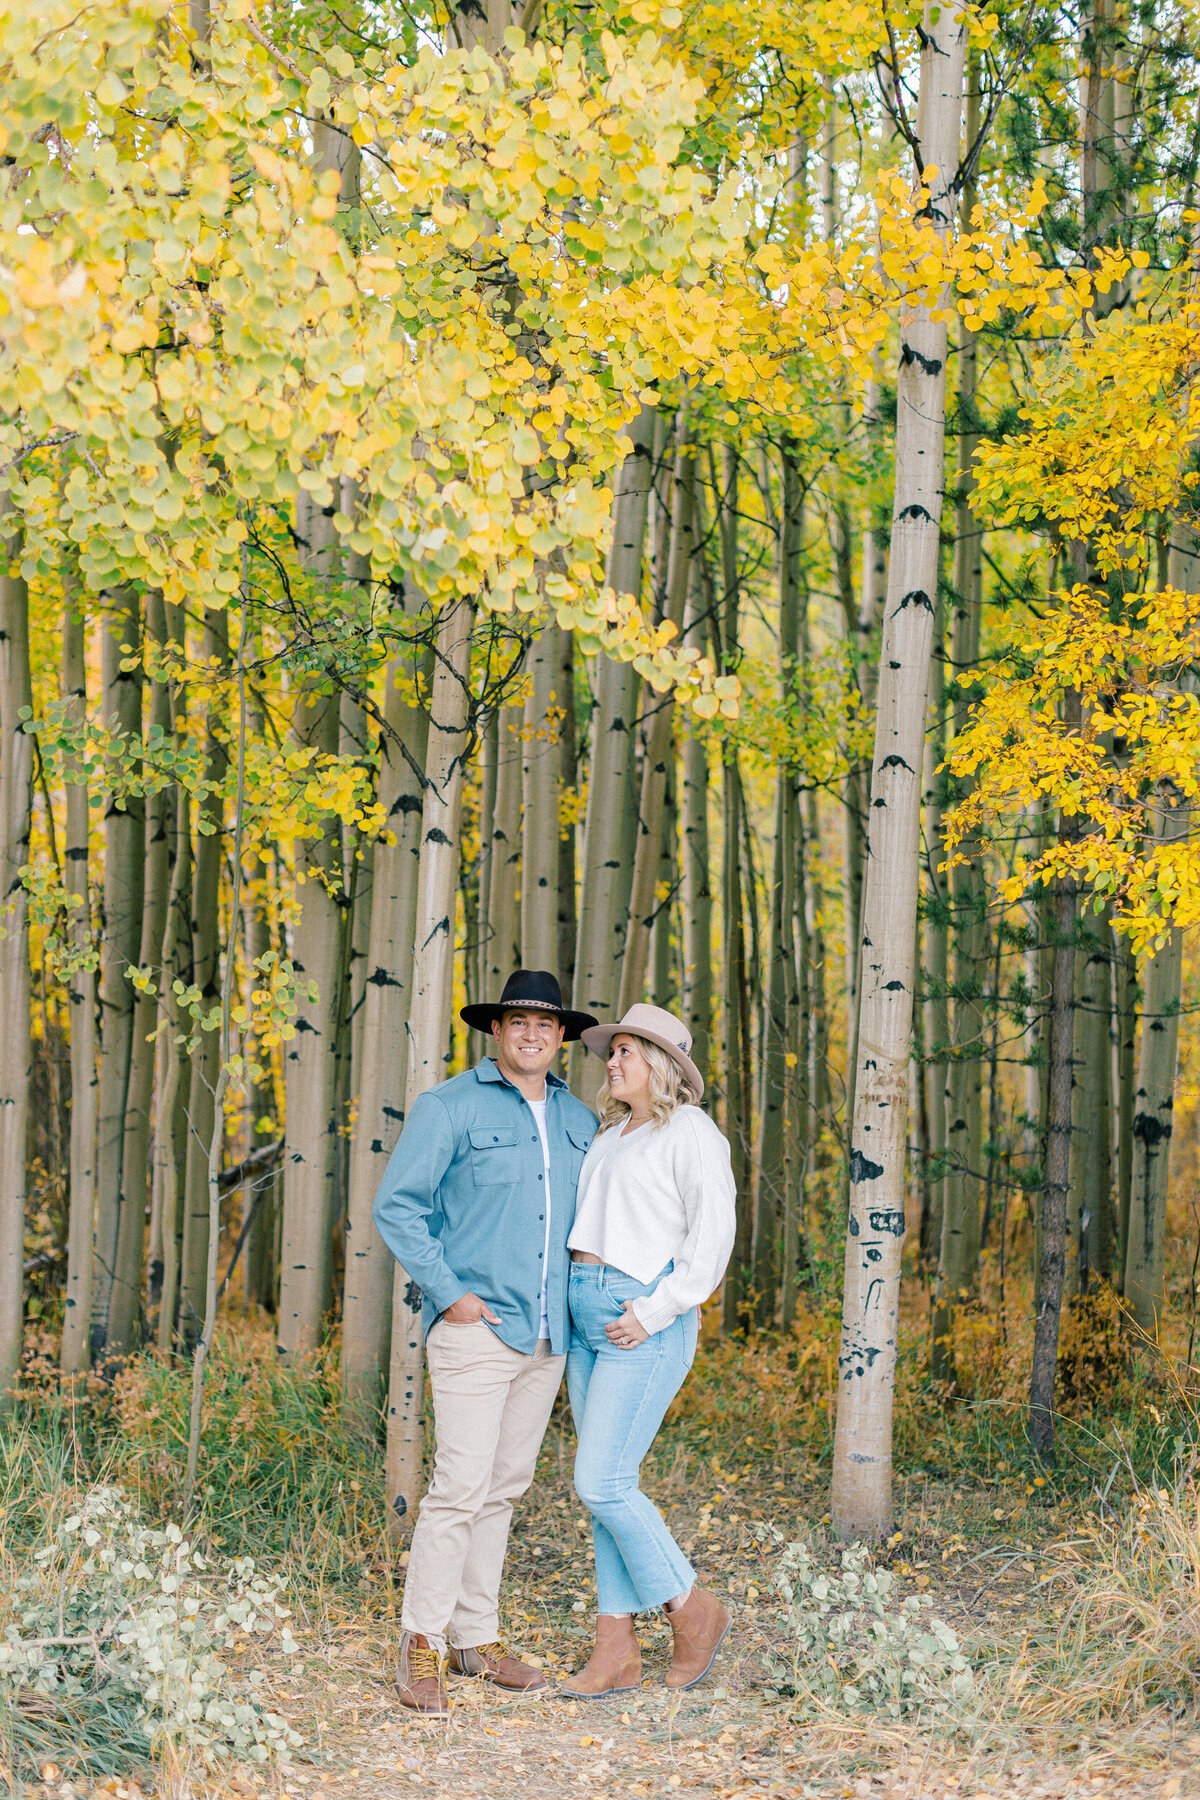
(468, 1310)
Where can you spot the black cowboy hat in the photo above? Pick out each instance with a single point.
(528, 990)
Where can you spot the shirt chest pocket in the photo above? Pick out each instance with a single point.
(495, 1156)
(578, 1139)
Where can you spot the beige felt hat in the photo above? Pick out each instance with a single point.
(657, 1026)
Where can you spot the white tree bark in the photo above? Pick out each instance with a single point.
(659, 740)
(124, 867)
(82, 1005)
(16, 802)
(862, 1470)
(607, 872)
(429, 1018)
(311, 1062)
(310, 1059)
(1154, 1096)
(125, 1310)
(539, 804)
(366, 1311)
(502, 923)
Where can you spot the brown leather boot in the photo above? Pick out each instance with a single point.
(699, 1626)
(615, 1665)
(491, 1662)
(419, 1678)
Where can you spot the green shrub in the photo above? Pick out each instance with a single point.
(855, 1646)
(124, 1627)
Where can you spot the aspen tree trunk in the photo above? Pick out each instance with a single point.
(769, 1195)
(485, 22)
(1044, 986)
(664, 985)
(936, 951)
(795, 948)
(658, 511)
(258, 1208)
(82, 1001)
(958, 1264)
(171, 1100)
(358, 876)
(224, 1058)
(366, 1308)
(659, 758)
(862, 1472)
(16, 1050)
(1090, 1206)
(1154, 1095)
(170, 1125)
(568, 783)
(1153, 1098)
(734, 966)
(874, 568)
(1056, 1172)
(822, 1108)
(311, 1065)
(1125, 1082)
(310, 1062)
(205, 1060)
(697, 904)
(539, 803)
(1031, 1135)
(358, 853)
(775, 1207)
(429, 1018)
(798, 1107)
(696, 879)
(607, 868)
(489, 757)
(854, 794)
(125, 1313)
(1155, 1090)
(502, 944)
(1152, 1124)
(260, 1195)
(124, 854)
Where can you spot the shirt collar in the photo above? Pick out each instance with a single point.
(490, 1070)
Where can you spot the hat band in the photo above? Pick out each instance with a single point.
(528, 1006)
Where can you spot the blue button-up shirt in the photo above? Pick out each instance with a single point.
(462, 1206)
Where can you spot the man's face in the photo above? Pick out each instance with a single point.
(526, 1042)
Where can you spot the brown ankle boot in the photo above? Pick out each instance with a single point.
(615, 1665)
(419, 1681)
(699, 1626)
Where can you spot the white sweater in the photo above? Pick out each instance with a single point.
(659, 1194)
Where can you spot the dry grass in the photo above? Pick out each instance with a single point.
(1082, 1618)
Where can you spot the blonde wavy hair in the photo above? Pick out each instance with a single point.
(669, 1088)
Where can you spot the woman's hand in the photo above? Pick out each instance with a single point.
(627, 1331)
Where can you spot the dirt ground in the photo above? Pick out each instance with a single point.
(1000, 1578)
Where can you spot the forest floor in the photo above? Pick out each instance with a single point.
(1003, 1576)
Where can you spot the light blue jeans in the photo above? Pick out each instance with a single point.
(618, 1398)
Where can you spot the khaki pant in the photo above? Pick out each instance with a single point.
(491, 1406)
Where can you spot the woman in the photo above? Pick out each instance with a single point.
(654, 1227)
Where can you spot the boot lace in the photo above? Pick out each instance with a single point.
(490, 1652)
(424, 1663)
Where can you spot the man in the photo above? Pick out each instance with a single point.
(476, 1205)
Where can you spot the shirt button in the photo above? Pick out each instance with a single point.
(541, 1177)
(540, 1255)
(541, 1217)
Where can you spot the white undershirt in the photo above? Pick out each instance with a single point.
(538, 1108)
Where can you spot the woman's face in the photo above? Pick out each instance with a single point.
(628, 1073)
